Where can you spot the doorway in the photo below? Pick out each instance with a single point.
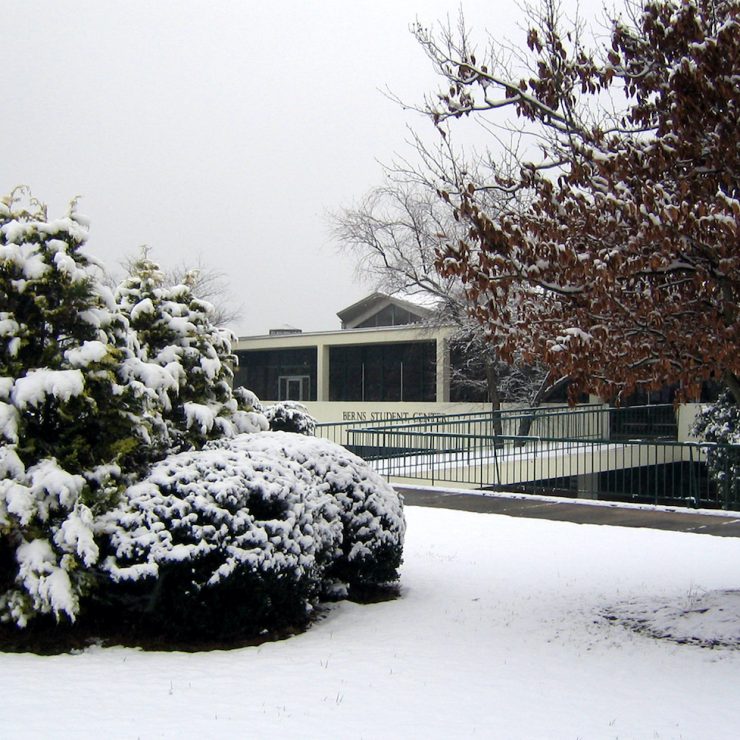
(293, 387)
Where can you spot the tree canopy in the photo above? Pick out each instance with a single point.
(612, 250)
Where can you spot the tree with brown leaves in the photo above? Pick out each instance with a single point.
(616, 261)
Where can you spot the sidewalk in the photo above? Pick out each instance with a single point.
(704, 521)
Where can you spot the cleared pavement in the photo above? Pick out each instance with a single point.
(720, 523)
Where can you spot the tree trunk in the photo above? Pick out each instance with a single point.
(733, 384)
(546, 390)
(493, 394)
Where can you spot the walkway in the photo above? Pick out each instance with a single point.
(720, 523)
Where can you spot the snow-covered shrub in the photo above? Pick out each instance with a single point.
(290, 416)
(371, 511)
(174, 331)
(247, 399)
(247, 533)
(720, 423)
(221, 543)
(78, 410)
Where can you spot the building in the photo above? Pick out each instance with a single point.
(384, 363)
(387, 363)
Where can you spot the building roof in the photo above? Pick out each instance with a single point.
(419, 305)
(285, 329)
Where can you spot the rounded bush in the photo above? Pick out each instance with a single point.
(220, 544)
(290, 416)
(247, 534)
(371, 512)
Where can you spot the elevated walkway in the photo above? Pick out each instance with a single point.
(632, 454)
(525, 460)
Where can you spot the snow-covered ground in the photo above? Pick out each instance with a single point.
(506, 628)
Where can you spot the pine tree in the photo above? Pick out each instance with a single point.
(174, 330)
(79, 414)
(720, 423)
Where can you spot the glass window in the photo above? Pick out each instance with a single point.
(404, 371)
(391, 315)
(468, 375)
(279, 374)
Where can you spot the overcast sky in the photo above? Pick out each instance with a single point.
(220, 132)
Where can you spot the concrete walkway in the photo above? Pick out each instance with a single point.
(720, 523)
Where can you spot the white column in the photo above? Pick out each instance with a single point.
(322, 372)
(443, 370)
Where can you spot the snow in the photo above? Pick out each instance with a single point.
(25, 257)
(18, 501)
(76, 535)
(8, 327)
(501, 631)
(67, 265)
(152, 375)
(32, 389)
(10, 464)
(47, 478)
(48, 584)
(574, 331)
(200, 416)
(8, 422)
(87, 354)
(6, 385)
(144, 307)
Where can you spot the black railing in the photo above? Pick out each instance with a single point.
(650, 471)
(625, 454)
(588, 421)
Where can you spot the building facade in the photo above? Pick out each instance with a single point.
(384, 362)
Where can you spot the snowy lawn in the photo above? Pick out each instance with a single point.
(499, 633)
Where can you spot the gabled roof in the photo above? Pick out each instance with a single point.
(372, 304)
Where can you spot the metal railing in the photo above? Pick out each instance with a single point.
(626, 454)
(587, 421)
(652, 471)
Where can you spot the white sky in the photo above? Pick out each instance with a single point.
(219, 131)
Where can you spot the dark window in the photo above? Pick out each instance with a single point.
(278, 374)
(468, 377)
(383, 372)
(667, 394)
(711, 390)
(390, 316)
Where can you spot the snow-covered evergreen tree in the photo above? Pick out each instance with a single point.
(174, 330)
(78, 410)
(720, 423)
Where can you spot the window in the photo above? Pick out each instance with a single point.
(279, 374)
(383, 372)
(391, 315)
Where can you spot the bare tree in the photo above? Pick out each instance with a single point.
(396, 234)
(209, 285)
